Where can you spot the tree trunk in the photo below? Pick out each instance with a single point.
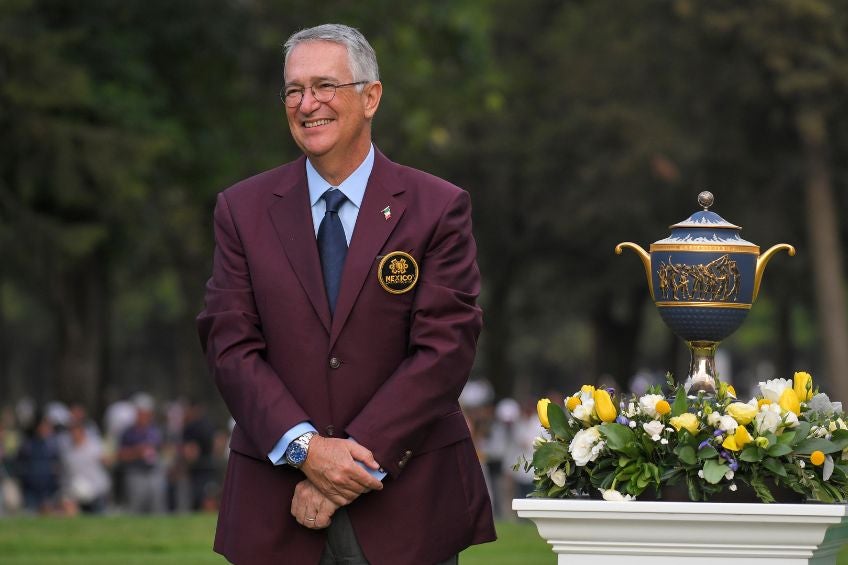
(823, 234)
(80, 302)
(496, 338)
(615, 340)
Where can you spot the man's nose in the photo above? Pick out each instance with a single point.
(309, 102)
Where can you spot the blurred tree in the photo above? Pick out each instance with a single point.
(574, 125)
(114, 121)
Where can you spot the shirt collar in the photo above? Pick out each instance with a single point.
(353, 186)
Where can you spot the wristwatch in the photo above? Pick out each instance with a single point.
(298, 449)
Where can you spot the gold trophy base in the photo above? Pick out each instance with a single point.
(702, 371)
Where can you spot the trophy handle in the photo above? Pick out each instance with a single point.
(644, 256)
(763, 260)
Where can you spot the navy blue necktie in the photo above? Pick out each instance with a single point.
(332, 245)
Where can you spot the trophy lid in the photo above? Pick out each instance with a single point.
(705, 226)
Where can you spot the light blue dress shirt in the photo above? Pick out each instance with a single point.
(353, 188)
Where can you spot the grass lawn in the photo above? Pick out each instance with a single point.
(186, 540)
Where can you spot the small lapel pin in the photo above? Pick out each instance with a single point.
(387, 212)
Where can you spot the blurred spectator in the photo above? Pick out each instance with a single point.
(38, 466)
(11, 498)
(520, 433)
(85, 482)
(139, 452)
(119, 416)
(197, 452)
(497, 447)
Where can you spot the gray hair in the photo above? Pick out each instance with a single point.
(361, 57)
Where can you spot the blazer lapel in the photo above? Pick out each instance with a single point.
(371, 232)
(292, 221)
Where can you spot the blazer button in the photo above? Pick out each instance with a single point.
(331, 430)
(405, 459)
(335, 362)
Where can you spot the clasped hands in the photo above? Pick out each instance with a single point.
(333, 479)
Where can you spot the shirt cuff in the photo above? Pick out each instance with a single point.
(278, 454)
(378, 474)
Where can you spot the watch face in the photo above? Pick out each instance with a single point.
(296, 454)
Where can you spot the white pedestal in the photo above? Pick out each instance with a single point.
(598, 532)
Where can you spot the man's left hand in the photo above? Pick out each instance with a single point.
(310, 508)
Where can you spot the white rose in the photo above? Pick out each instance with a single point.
(583, 444)
(728, 424)
(768, 419)
(584, 411)
(714, 418)
(614, 496)
(558, 477)
(648, 404)
(773, 388)
(653, 428)
(790, 420)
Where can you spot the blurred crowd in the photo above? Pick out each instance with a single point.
(145, 457)
(142, 458)
(503, 432)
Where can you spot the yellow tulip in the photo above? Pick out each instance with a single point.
(604, 406)
(742, 437)
(741, 412)
(731, 391)
(663, 407)
(573, 402)
(789, 401)
(729, 443)
(738, 440)
(542, 409)
(817, 458)
(686, 421)
(803, 386)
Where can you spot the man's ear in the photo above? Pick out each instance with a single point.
(373, 91)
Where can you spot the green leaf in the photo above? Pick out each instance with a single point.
(774, 466)
(840, 439)
(680, 405)
(779, 449)
(549, 455)
(558, 422)
(787, 437)
(802, 430)
(816, 444)
(707, 452)
(687, 455)
(618, 437)
(752, 454)
(714, 471)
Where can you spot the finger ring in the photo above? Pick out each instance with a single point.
(311, 519)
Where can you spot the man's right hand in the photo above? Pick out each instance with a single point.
(331, 465)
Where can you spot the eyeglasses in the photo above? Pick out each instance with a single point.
(323, 92)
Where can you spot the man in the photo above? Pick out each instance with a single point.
(340, 326)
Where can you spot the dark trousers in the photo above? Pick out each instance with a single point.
(342, 547)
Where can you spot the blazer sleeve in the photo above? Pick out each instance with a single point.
(445, 325)
(231, 335)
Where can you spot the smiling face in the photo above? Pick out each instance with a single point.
(335, 135)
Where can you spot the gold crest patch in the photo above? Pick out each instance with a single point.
(397, 272)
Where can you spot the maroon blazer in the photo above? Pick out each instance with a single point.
(387, 369)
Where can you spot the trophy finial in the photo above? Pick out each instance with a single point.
(706, 199)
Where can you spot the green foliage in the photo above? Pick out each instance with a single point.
(574, 125)
(711, 447)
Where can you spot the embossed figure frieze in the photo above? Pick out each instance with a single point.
(716, 281)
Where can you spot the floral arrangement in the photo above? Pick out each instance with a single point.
(789, 438)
